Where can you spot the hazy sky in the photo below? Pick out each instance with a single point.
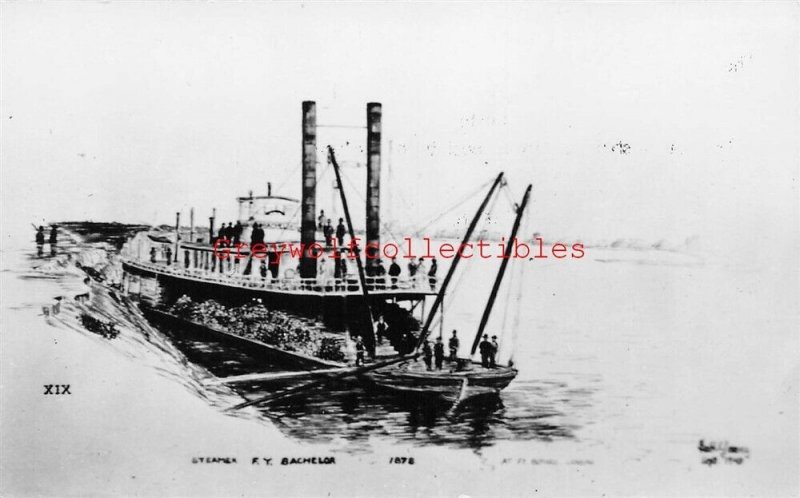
(131, 111)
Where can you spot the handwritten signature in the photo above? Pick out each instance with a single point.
(716, 452)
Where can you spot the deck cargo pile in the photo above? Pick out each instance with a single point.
(273, 327)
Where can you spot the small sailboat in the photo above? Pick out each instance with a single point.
(454, 384)
(463, 378)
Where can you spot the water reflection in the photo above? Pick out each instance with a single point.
(544, 409)
(354, 411)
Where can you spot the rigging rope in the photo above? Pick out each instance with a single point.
(450, 209)
(521, 280)
(509, 195)
(287, 178)
(456, 285)
(510, 287)
(383, 225)
(300, 205)
(513, 274)
(488, 216)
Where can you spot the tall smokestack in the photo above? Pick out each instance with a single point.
(308, 225)
(373, 185)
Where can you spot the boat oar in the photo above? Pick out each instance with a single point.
(348, 372)
(276, 376)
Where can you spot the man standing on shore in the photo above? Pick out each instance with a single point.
(39, 241)
(53, 240)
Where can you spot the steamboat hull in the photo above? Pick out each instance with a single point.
(268, 353)
(340, 307)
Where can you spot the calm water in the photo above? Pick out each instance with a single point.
(631, 353)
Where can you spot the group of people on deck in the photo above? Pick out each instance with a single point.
(231, 234)
(435, 355)
(329, 269)
(419, 273)
(328, 232)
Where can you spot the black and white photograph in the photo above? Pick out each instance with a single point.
(400, 249)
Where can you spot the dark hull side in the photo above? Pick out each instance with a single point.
(338, 312)
(417, 381)
(269, 354)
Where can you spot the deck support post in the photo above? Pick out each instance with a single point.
(177, 235)
(191, 224)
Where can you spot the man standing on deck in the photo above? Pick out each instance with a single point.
(359, 352)
(237, 233)
(454, 343)
(494, 347)
(257, 236)
(380, 329)
(427, 354)
(321, 219)
(328, 231)
(337, 269)
(485, 348)
(412, 270)
(380, 276)
(438, 353)
(432, 275)
(394, 272)
(340, 231)
(422, 273)
(342, 261)
(221, 234)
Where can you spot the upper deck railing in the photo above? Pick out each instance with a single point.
(322, 285)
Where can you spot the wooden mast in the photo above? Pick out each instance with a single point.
(361, 275)
(440, 295)
(501, 271)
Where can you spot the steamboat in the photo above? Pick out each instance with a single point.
(162, 266)
(165, 266)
